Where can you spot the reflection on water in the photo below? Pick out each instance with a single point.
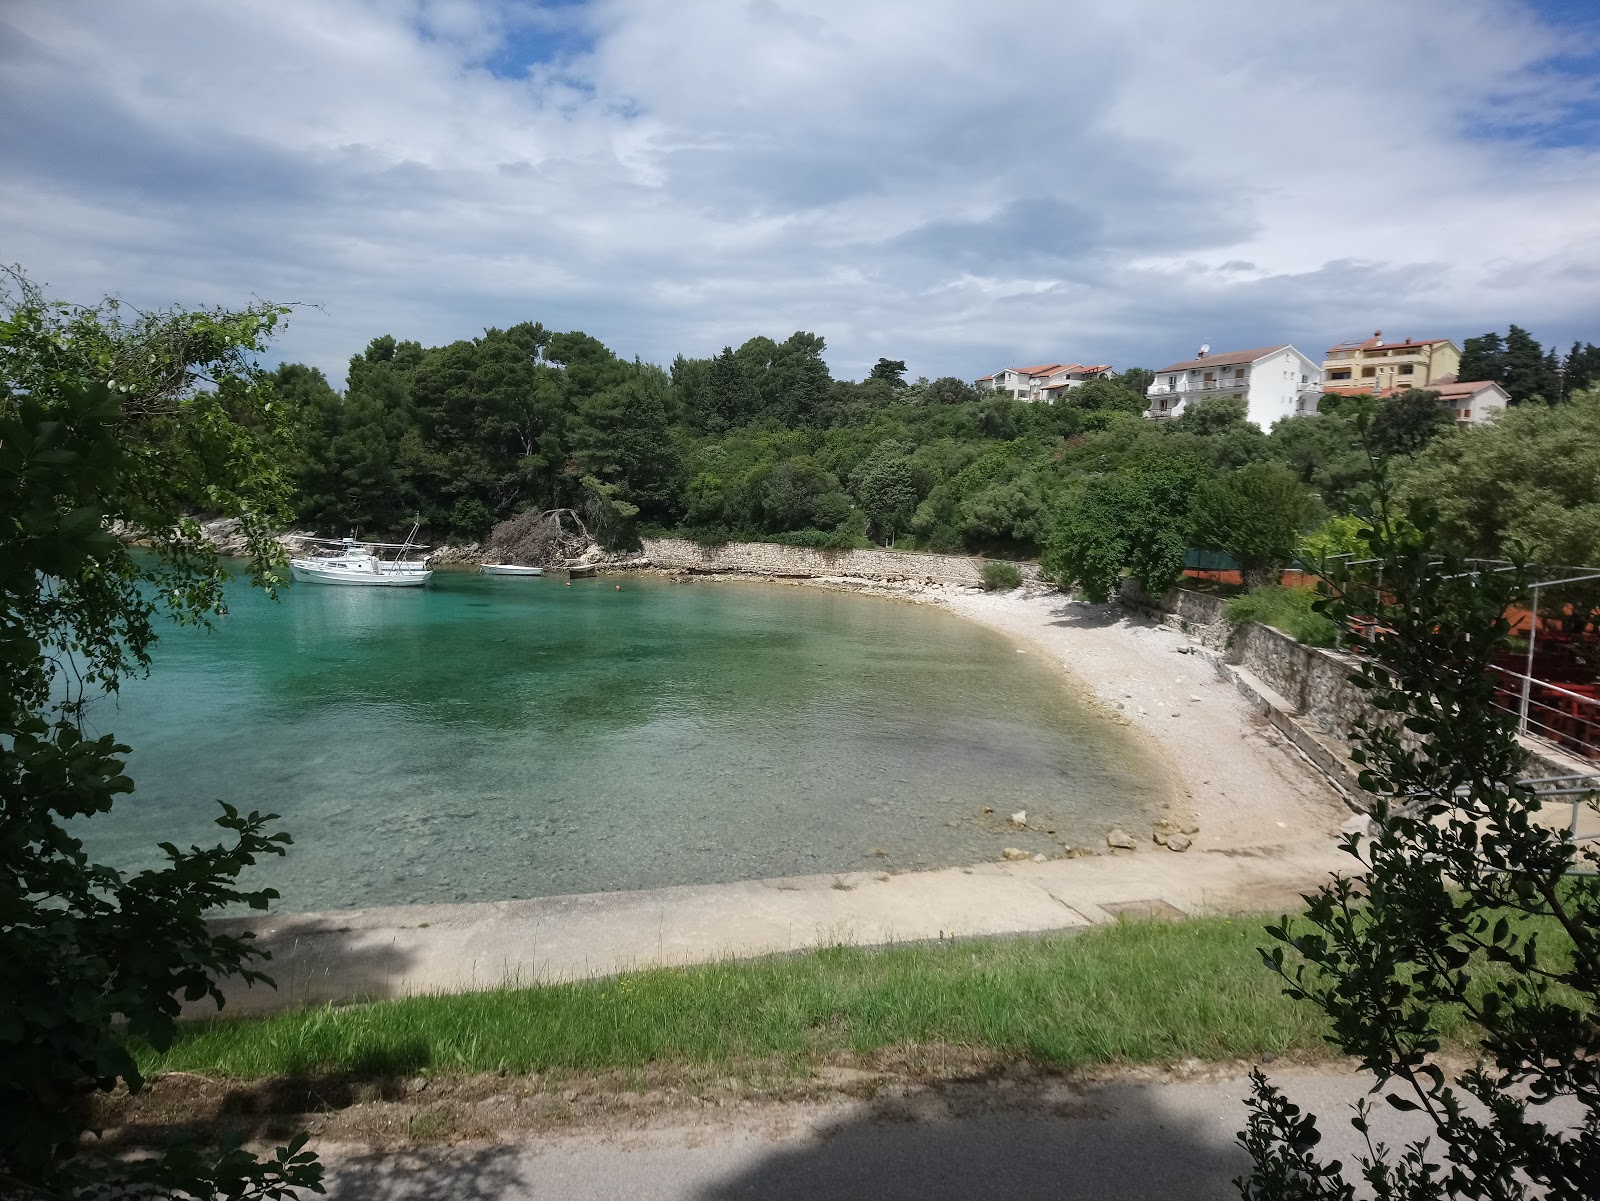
(490, 738)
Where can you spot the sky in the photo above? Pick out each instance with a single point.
(964, 186)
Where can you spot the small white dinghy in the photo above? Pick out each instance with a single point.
(509, 569)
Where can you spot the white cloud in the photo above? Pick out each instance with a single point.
(954, 184)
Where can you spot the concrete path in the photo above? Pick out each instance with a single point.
(391, 952)
(1117, 1142)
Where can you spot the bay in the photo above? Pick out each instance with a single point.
(484, 739)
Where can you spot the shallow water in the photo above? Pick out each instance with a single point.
(484, 739)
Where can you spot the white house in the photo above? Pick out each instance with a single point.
(1473, 403)
(1274, 382)
(1046, 381)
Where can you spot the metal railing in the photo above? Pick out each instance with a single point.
(1232, 385)
(1556, 713)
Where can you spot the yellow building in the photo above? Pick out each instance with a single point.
(1383, 366)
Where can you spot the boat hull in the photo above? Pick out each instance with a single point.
(509, 569)
(360, 579)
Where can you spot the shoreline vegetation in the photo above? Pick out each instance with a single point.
(1137, 992)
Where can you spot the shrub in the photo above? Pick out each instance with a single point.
(1286, 609)
(1001, 577)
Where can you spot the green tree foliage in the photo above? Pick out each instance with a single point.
(1105, 395)
(1134, 520)
(1404, 424)
(889, 371)
(1324, 451)
(947, 390)
(1530, 480)
(1516, 362)
(1472, 903)
(886, 492)
(105, 418)
(1581, 370)
(471, 433)
(1256, 515)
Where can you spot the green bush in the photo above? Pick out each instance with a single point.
(1286, 609)
(1001, 577)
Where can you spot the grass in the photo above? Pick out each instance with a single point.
(1286, 609)
(1135, 992)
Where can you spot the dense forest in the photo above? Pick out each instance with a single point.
(761, 442)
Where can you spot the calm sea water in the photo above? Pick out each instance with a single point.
(484, 739)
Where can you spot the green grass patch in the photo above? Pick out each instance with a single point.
(1135, 992)
(1286, 609)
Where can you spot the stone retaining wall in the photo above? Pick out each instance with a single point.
(803, 562)
(1305, 691)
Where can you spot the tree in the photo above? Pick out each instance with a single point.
(1516, 362)
(619, 436)
(887, 494)
(1403, 424)
(1105, 395)
(728, 396)
(1472, 907)
(1530, 480)
(889, 371)
(1131, 520)
(1483, 358)
(1581, 368)
(1136, 379)
(106, 419)
(1324, 451)
(1256, 515)
(1526, 374)
(947, 390)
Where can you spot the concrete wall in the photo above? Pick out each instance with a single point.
(801, 562)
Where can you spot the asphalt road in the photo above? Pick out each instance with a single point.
(1117, 1142)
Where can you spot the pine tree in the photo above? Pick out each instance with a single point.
(1482, 358)
(1526, 376)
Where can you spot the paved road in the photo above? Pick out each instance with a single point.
(1119, 1142)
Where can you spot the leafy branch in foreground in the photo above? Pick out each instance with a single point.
(103, 421)
(1473, 903)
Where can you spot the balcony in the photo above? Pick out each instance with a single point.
(1200, 388)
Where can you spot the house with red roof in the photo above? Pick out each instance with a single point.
(1043, 381)
(1378, 365)
(1274, 382)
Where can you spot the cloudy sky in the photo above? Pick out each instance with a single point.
(963, 185)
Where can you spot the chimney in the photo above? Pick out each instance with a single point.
(1378, 334)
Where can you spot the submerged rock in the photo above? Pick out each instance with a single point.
(1014, 855)
(1121, 840)
(1019, 818)
(1178, 842)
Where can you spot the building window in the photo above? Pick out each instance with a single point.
(1368, 372)
(1408, 369)
(1345, 374)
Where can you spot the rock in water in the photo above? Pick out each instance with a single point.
(1019, 818)
(1178, 842)
(1121, 840)
(1014, 855)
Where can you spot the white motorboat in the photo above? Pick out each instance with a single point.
(363, 564)
(509, 569)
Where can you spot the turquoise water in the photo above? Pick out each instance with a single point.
(484, 739)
